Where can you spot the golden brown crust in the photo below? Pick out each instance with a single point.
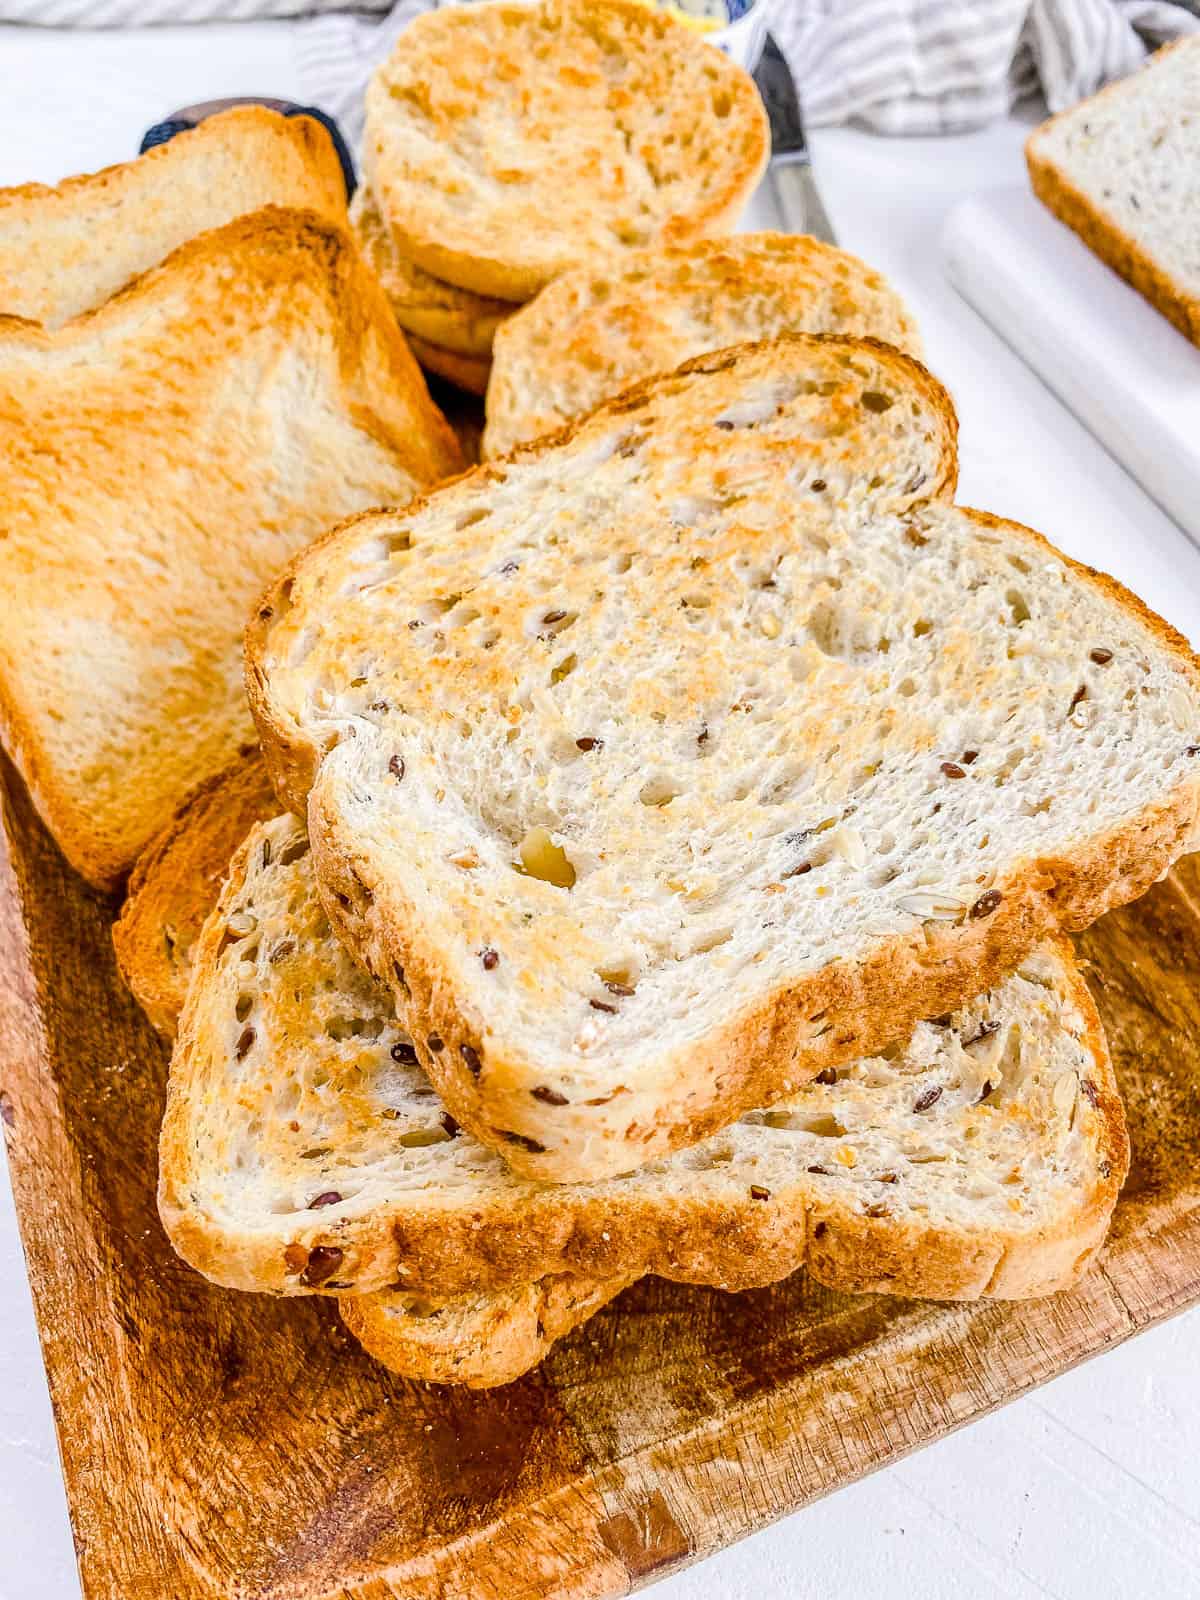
(467, 372)
(103, 461)
(176, 882)
(1083, 215)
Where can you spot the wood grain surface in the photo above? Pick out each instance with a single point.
(221, 1445)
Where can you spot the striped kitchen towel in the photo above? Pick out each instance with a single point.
(895, 66)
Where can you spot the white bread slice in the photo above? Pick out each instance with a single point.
(595, 331)
(737, 779)
(1123, 170)
(67, 249)
(160, 459)
(303, 1149)
(506, 143)
(442, 314)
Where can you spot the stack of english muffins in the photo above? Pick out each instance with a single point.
(507, 143)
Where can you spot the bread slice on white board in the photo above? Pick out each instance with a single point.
(685, 754)
(160, 459)
(67, 249)
(303, 1149)
(1123, 170)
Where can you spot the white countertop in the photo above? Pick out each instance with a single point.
(1090, 1487)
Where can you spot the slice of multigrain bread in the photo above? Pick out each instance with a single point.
(506, 143)
(66, 249)
(478, 1339)
(688, 753)
(160, 459)
(304, 1150)
(442, 314)
(1123, 170)
(593, 332)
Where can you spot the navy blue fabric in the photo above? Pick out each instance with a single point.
(166, 130)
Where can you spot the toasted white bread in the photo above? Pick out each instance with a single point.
(160, 458)
(67, 249)
(594, 331)
(1123, 170)
(506, 143)
(303, 1150)
(737, 757)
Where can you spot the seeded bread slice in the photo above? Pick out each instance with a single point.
(654, 780)
(506, 143)
(593, 332)
(442, 314)
(1123, 170)
(304, 1150)
(160, 459)
(68, 249)
(480, 1340)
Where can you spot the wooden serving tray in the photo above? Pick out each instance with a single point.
(217, 1444)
